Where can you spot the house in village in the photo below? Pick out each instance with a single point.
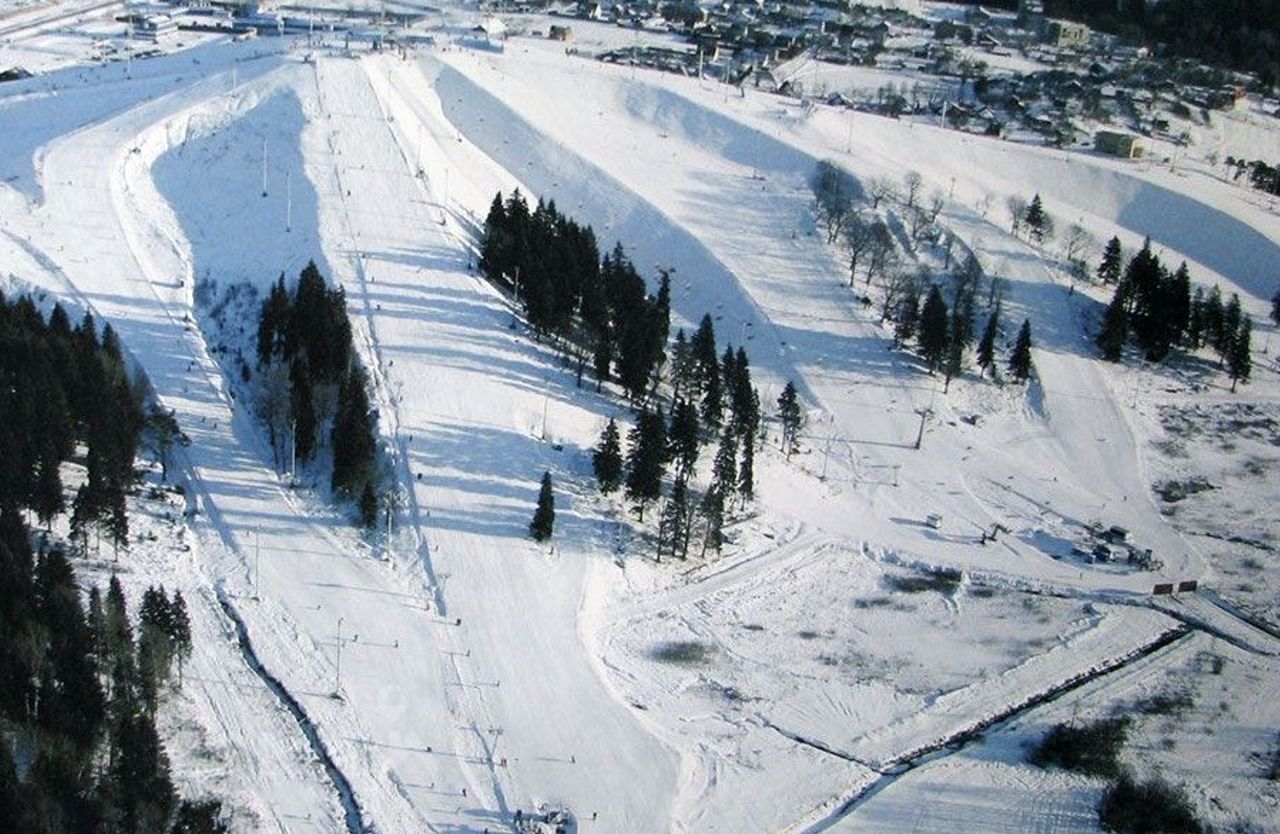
(1114, 143)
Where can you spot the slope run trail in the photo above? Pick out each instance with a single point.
(86, 249)
(125, 261)
(363, 139)
(274, 777)
(468, 396)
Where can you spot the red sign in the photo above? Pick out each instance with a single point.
(1188, 587)
(1162, 589)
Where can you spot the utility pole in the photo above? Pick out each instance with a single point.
(257, 558)
(390, 515)
(337, 669)
(264, 166)
(924, 412)
(826, 453)
(546, 400)
(422, 172)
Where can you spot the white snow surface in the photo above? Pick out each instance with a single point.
(481, 673)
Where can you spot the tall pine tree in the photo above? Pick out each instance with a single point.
(1020, 360)
(544, 517)
(934, 329)
(606, 459)
(646, 459)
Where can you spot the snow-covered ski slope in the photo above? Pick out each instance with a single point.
(481, 674)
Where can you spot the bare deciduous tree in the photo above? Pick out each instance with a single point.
(881, 254)
(901, 283)
(1017, 213)
(881, 189)
(834, 191)
(912, 183)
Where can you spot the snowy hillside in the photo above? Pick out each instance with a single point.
(845, 663)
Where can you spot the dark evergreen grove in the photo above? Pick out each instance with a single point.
(1157, 310)
(593, 307)
(78, 693)
(600, 309)
(309, 379)
(61, 386)
(78, 696)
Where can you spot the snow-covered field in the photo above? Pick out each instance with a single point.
(781, 687)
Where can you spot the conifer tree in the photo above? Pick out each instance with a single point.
(155, 628)
(602, 354)
(684, 435)
(137, 780)
(907, 317)
(746, 471)
(1239, 362)
(933, 329)
(1194, 336)
(683, 367)
(1112, 264)
(1213, 317)
(353, 441)
(1177, 307)
(1036, 220)
(724, 469)
(1020, 360)
(69, 698)
(1275, 307)
(544, 517)
(606, 459)
(987, 344)
(1115, 327)
(303, 408)
(1229, 330)
(119, 632)
(117, 520)
(368, 506)
(48, 500)
(712, 511)
(273, 323)
(646, 458)
(180, 631)
(953, 362)
(703, 348)
(96, 619)
(791, 416)
(673, 525)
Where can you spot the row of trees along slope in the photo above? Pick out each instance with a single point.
(61, 389)
(1156, 309)
(930, 288)
(590, 307)
(79, 689)
(685, 392)
(311, 386)
(712, 399)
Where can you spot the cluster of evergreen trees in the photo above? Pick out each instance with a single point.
(1262, 176)
(712, 398)
(596, 307)
(59, 386)
(310, 378)
(78, 694)
(911, 298)
(944, 334)
(1157, 309)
